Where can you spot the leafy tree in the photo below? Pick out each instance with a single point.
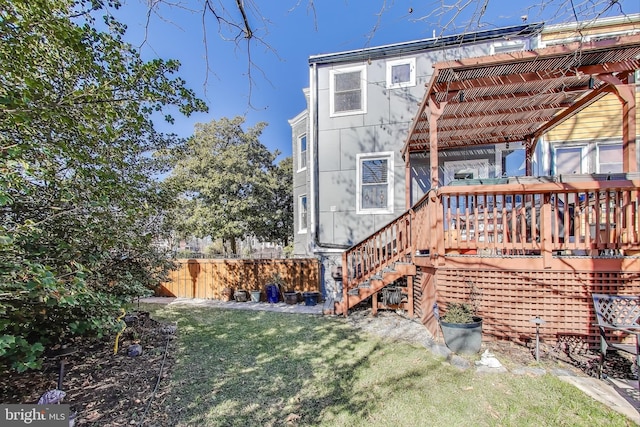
(276, 222)
(229, 186)
(78, 205)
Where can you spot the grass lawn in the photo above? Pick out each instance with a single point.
(247, 368)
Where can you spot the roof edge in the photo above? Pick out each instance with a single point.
(425, 44)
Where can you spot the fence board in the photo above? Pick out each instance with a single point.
(206, 278)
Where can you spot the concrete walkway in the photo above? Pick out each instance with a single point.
(256, 306)
(621, 396)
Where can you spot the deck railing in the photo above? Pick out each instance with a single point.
(582, 218)
(382, 249)
(590, 218)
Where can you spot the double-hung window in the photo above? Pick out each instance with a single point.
(375, 183)
(302, 152)
(401, 73)
(569, 160)
(610, 158)
(348, 91)
(302, 213)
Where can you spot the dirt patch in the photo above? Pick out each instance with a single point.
(101, 387)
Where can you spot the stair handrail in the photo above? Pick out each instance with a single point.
(367, 258)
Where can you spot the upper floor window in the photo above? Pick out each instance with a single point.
(401, 73)
(508, 46)
(302, 214)
(348, 91)
(610, 158)
(302, 152)
(375, 183)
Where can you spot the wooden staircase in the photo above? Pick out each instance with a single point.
(378, 261)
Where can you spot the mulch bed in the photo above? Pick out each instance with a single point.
(101, 387)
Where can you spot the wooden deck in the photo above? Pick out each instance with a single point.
(528, 248)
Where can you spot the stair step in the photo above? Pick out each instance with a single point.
(365, 285)
(353, 291)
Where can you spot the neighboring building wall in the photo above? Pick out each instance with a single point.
(590, 30)
(300, 142)
(591, 141)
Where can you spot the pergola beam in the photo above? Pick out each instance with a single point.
(539, 76)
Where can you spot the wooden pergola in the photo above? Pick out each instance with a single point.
(533, 246)
(519, 96)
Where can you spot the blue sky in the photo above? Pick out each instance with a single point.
(294, 32)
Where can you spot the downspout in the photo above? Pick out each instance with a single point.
(313, 107)
(313, 173)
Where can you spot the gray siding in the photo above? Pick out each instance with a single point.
(300, 185)
(383, 128)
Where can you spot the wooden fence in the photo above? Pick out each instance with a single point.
(206, 278)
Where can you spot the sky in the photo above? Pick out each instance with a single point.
(288, 32)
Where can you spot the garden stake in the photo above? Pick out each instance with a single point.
(538, 321)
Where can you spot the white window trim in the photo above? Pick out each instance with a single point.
(511, 45)
(302, 230)
(412, 73)
(363, 94)
(299, 149)
(388, 155)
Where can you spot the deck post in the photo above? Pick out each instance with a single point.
(435, 111)
(346, 274)
(529, 148)
(428, 286)
(407, 182)
(410, 295)
(435, 210)
(545, 231)
(629, 112)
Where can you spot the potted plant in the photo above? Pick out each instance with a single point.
(461, 326)
(255, 295)
(241, 295)
(274, 287)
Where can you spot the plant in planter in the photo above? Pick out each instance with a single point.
(461, 327)
(275, 288)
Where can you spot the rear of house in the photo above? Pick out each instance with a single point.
(349, 176)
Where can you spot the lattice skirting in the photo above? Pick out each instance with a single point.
(509, 299)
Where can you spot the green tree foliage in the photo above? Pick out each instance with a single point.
(229, 185)
(276, 221)
(78, 205)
